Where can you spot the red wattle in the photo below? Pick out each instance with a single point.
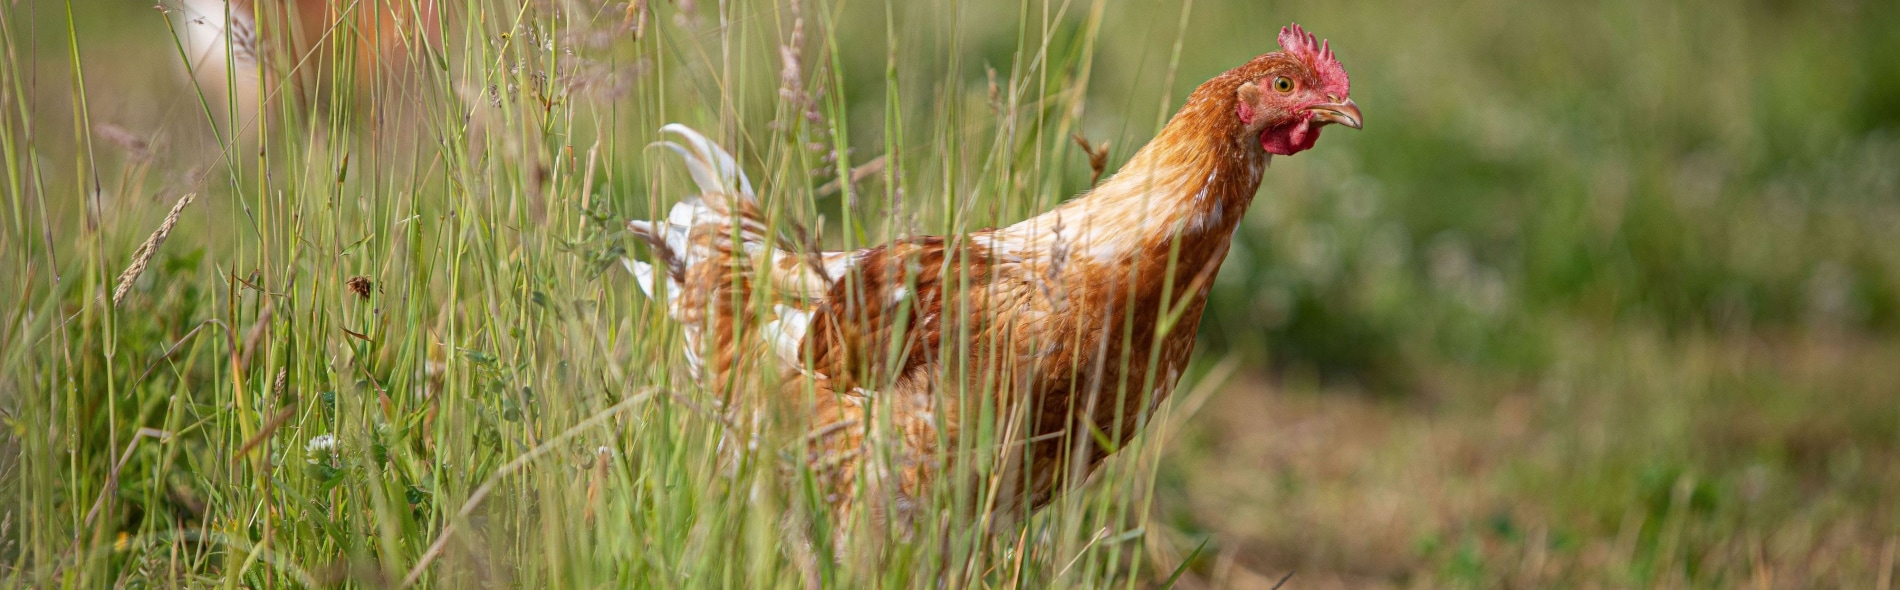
(1290, 138)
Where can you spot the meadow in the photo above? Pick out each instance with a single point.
(1605, 295)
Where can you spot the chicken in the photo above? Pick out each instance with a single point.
(301, 45)
(1068, 327)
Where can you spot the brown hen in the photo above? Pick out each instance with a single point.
(1064, 330)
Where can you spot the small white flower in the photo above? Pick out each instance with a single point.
(320, 448)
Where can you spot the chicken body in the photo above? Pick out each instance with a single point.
(302, 46)
(1057, 336)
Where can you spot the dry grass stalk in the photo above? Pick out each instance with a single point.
(143, 255)
(136, 148)
(636, 19)
(1098, 157)
(264, 434)
(857, 175)
(791, 74)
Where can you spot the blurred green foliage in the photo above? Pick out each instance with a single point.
(1695, 166)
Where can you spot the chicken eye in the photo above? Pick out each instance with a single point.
(1283, 84)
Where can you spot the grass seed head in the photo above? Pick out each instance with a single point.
(143, 255)
(360, 285)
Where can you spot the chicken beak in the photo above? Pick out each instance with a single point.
(1345, 113)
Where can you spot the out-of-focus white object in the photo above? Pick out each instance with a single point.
(291, 52)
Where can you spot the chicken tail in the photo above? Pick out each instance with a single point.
(707, 249)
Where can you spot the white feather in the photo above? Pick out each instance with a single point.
(692, 359)
(712, 167)
(837, 263)
(787, 333)
(690, 212)
(721, 184)
(642, 274)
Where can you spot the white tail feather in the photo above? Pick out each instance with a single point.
(642, 276)
(726, 200)
(713, 169)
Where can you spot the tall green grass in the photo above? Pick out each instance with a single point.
(494, 405)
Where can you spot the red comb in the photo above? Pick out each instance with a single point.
(1318, 55)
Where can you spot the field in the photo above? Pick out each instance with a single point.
(1605, 295)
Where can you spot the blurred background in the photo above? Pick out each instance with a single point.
(1605, 294)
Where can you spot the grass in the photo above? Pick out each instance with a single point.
(1603, 296)
(395, 347)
